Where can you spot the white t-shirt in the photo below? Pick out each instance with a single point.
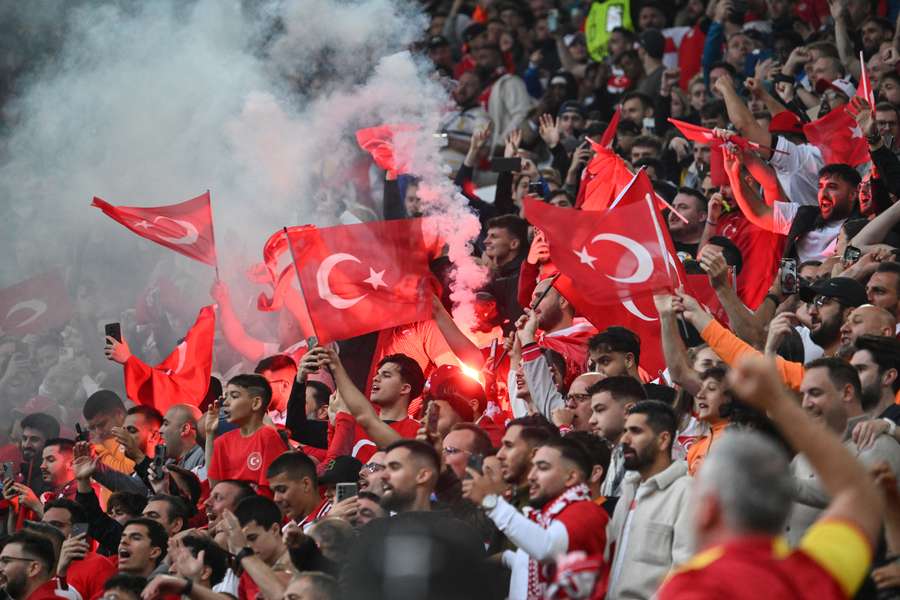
(797, 168)
(816, 244)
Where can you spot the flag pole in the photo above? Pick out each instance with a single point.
(300, 285)
(212, 232)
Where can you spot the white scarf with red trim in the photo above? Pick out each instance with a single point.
(538, 579)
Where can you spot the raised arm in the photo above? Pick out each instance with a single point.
(840, 13)
(740, 115)
(673, 346)
(753, 207)
(462, 346)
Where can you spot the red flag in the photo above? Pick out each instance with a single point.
(183, 378)
(698, 286)
(34, 305)
(604, 178)
(615, 255)
(186, 228)
(381, 144)
(610, 134)
(362, 278)
(839, 137)
(864, 89)
(703, 135)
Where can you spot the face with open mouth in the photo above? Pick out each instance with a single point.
(137, 555)
(710, 398)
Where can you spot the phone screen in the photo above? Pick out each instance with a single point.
(114, 330)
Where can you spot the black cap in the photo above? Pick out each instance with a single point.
(848, 292)
(437, 41)
(570, 106)
(343, 469)
(473, 31)
(653, 43)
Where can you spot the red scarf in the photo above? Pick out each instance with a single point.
(538, 578)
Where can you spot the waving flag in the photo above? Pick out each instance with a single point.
(839, 137)
(186, 228)
(381, 143)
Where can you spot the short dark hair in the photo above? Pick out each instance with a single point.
(714, 109)
(696, 195)
(622, 388)
(46, 424)
(214, 556)
(256, 385)
(276, 362)
(321, 392)
(555, 359)
(295, 464)
(885, 24)
(65, 444)
(178, 507)
(367, 495)
(536, 429)
(129, 502)
(598, 449)
(887, 107)
(105, 402)
(245, 490)
(156, 533)
(75, 510)
(37, 545)
(516, 226)
(660, 417)
(148, 412)
(260, 509)
(890, 267)
(842, 171)
(885, 352)
(647, 141)
(646, 100)
(420, 450)
(133, 584)
(840, 372)
(410, 372)
(724, 65)
(483, 445)
(573, 451)
(617, 339)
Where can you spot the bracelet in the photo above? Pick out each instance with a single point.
(708, 222)
(188, 587)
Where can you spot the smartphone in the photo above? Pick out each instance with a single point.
(476, 461)
(159, 461)
(536, 189)
(81, 435)
(789, 276)
(8, 470)
(342, 491)
(505, 165)
(852, 254)
(434, 414)
(553, 20)
(114, 330)
(79, 529)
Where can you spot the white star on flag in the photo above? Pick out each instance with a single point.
(856, 131)
(143, 224)
(584, 257)
(376, 279)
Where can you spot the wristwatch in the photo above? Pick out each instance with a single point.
(892, 427)
(489, 502)
(244, 553)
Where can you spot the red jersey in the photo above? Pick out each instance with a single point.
(246, 458)
(364, 448)
(761, 253)
(90, 573)
(45, 592)
(831, 562)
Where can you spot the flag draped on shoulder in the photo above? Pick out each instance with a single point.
(183, 377)
(360, 278)
(186, 228)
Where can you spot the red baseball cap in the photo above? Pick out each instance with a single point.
(786, 122)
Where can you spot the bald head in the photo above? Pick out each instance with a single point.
(179, 429)
(584, 381)
(867, 320)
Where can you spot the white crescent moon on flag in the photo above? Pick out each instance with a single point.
(631, 307)
(322, 281)
(645, 260)
(189, 237)
(37, 308)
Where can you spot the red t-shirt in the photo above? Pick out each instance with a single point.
(246, 458)
(90, 573)
(586, 525)
(364, 448)
(761, 253)
(45, 592)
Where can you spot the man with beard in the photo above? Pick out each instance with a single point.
(410, 476)
(37, 428)
(460, 124)
(691, 205)
(522, 436)
(649, 532)
(877, 361)
(27, 563)
(57, 470)
(609, 401)
(829, 303)
(883, 288)
(564, 518)
(370, 475)
(831, 395)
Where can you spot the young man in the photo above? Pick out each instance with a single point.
(143, 547)
(883, 288)
(505, 247)
(179, 433)
(143, 423)
(26, 567)
(57, 471)
(522, 437)
(649, 531)
(610, 400)
(37, 428)
(565, 518)
(246, 452)
(410, 476)
(280, 370)
(78, 566)
(736, 529)
(398, 380)
(686, 236)
(295, 489)
(225, 496)
(877, 361)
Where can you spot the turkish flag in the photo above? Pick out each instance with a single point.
(614, 255)
(362, 278)
(698, 286)
(386, 146)
(610, 133)
(605, 176)
(183, 377)
(186, 228)
(864, 89)
(839, 137)
(34, 305)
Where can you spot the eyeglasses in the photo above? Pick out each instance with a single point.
(451, 451)
(820, 301)
(373, 467)
(5, 560)
(578, 398)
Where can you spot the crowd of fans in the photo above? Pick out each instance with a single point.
(529, 455)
